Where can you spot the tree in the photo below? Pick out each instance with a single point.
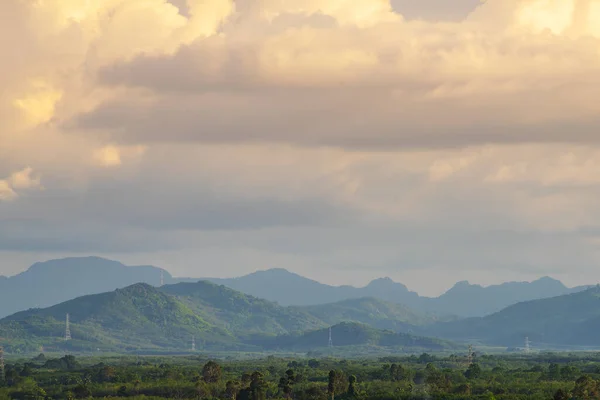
(335, 383)
(397, 372)
(231, 389)
(352, 385)
(561, 395)
(473, 372)
(585, 388)
(287, 382)
(554, 372)
(331, 384)
(464, 389)
(419, 378)
(31, 390)
(122, 392)
(211, 372)
(258, 386)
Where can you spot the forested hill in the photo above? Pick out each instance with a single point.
(141, 317)
(245, 314)
(357, 334)
(48, 283)
(568, 320)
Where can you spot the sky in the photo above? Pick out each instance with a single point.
(429, 141)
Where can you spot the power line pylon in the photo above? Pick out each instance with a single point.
(470, 356)
(162, 277)
(527, 345)
(67, 329)
(193, 343)
(330, 343)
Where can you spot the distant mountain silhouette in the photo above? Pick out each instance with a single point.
(464, 299)
(51, 282)
(47, 283)
(567, 320)
(467, 300)
(288, 288)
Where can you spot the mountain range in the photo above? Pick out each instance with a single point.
(145, 318)
(47, 283)
(570, 320)
(51, 282)
(462, 300)
(142, 317)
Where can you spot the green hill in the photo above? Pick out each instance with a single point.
(355, 334)
(245, 315)
(137, 317)
(144, 318)
(370, 311)
(569, 320)
(241, 314)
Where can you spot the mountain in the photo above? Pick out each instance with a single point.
(355, 334)
(51, 282)
(285, 288)
(142, 318)
(464, 299)
(373, 312)
(136, 317)
(567, 320)
(239, 313)
(288, 288)
(459, 299)
(246, 315)
(47, 283)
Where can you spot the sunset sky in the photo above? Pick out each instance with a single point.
(429, 141)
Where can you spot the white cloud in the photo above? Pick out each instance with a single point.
(336, 123)
(6, 191)
(18, 181)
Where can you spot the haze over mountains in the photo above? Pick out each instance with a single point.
(48, 283)
(141, 317)
(463, 299)
(51, 282)
(570, 320)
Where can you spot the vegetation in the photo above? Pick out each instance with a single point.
(571, 320)
(142, 318)
(541, 376)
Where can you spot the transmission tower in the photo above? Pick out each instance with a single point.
(193, 343)
(527, 345)
(162, 277)
(470, 355)
(330, 343)
(67, 329)
(2, 375)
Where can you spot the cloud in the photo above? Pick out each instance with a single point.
(6, 191)
(346, 134)
(18, 182)
(367, 80)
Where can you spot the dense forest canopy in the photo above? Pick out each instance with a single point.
(536, 376)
